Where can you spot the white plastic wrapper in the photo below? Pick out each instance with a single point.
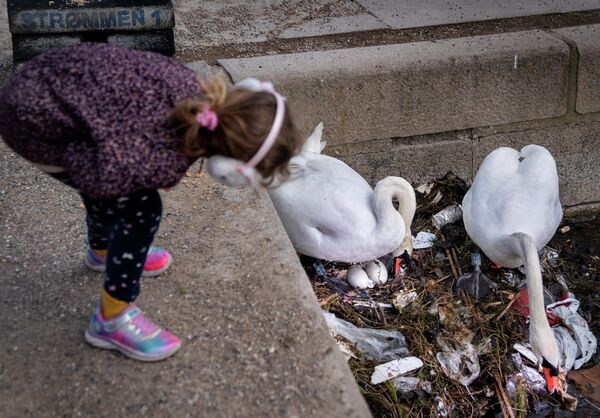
(391, 369)
(423, 240)
(374, 344)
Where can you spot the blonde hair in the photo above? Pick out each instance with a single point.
(244, 119)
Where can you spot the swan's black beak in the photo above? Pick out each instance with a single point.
(551, 376)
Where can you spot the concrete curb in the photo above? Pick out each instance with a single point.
(398, 109)
(254, 340)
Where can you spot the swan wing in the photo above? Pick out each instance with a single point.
(314, 143)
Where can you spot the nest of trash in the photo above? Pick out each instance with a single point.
(418, 348)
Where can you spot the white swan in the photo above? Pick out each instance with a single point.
(330, 212)
(511, 211)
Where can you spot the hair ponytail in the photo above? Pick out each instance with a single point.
(183, 117)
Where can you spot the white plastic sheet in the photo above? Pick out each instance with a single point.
(391, 369)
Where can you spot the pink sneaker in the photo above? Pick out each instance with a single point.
(132, 334)
(157, 261)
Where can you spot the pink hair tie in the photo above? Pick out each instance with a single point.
(207, 119)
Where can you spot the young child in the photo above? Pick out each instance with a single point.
(116, 125)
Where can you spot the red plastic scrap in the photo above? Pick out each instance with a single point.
(521, 305)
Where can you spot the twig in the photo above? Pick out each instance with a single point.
(591, 404)
(514, 299)
(328, 299)
(453, 250)
(450, 258)
(504, 402)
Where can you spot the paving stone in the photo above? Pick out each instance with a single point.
(420, 13)
(576, 148)
(334, 25)
(587, 41)
(419, 88)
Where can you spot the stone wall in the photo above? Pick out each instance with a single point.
(419, 110)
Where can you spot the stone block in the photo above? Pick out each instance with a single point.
(161, 41)
(417, 160)
(575, 147)
(419, 88)
(587, 41)
(26, 47)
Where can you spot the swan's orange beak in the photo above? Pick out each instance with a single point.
(551, 381)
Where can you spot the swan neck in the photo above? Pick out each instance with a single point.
(385, 212)
(535, 287)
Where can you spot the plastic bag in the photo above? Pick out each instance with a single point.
(579, 344)
(374, 344)
(459, 360)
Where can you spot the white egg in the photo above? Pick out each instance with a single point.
(357, 277)
(377, 272)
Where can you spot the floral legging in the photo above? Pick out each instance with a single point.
(125, 226)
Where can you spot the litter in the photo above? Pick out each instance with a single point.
(374, 344)
(440, 406)
(425, 188)
(565, 229)
(423, 240)
(534, 381)
(395, 368)
(511, 279)
(458, 359)
(585, 341)
(411, 387)
(448, 215)
(526, 352)
(576, 343)
(403, 299)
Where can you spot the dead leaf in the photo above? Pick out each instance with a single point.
(588, 380)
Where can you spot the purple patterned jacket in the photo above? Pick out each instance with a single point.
(100, 111)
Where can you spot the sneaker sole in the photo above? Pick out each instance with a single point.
(112, 345)
(145, 273)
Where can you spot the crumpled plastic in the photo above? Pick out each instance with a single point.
(576, 343)
(423, 240)
(459, 360)
(374, 344)
(448, 215)
(534, 381)
(411, 387)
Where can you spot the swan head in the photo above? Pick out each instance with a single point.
(232, 172)
(551, 375)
